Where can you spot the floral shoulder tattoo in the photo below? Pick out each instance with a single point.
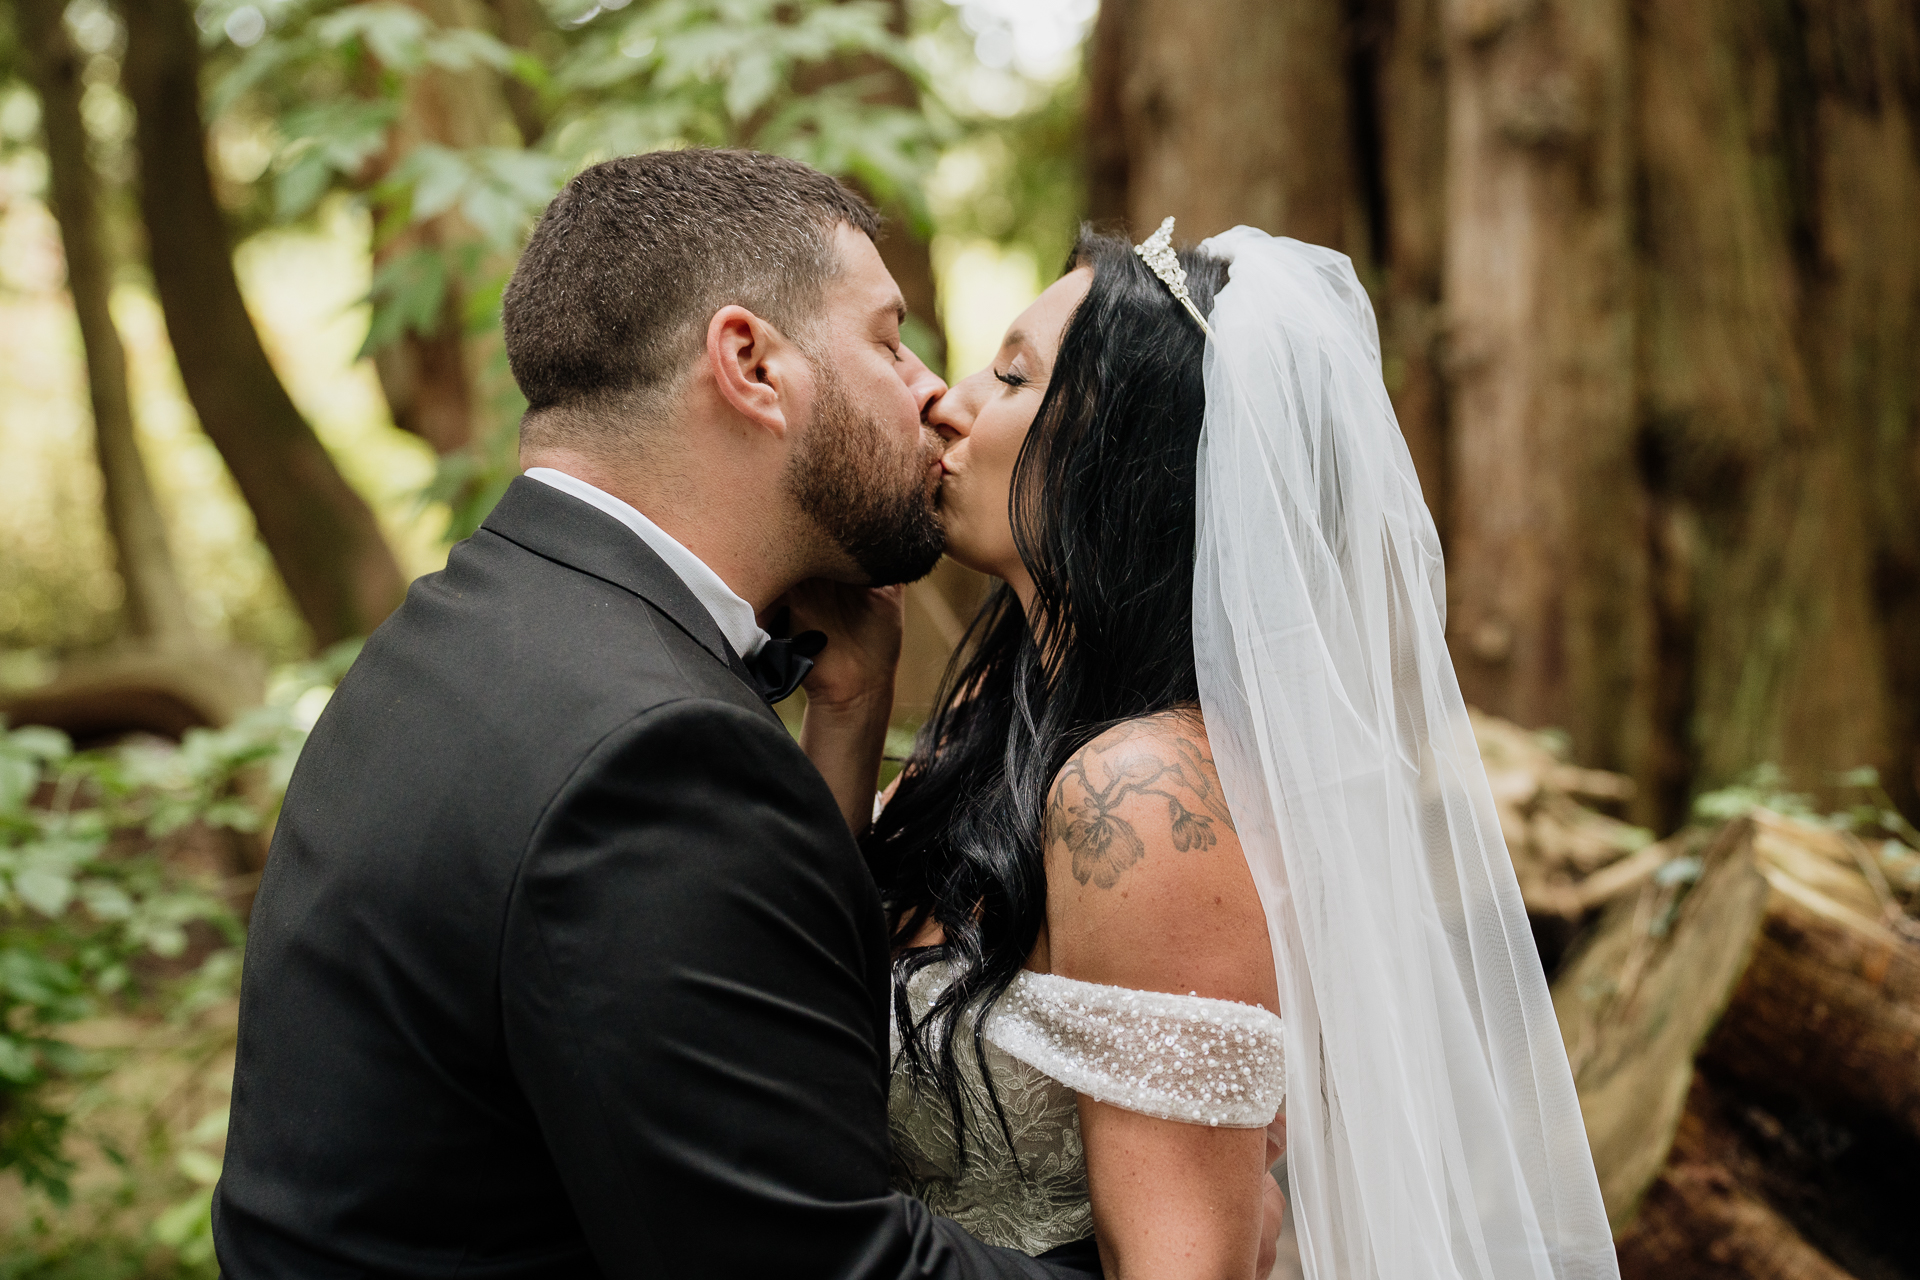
(1087, 796)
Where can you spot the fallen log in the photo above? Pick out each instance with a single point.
(1828, 1011)
(1771, 972)
(163, 692)
(1639, 1000)
(1706, 1218)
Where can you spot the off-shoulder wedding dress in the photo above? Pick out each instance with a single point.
(1049, 1039)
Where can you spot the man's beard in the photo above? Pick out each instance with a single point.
(842, 478)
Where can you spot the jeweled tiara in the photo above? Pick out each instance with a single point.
(1157, 252)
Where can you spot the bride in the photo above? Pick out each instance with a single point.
(1197, 821)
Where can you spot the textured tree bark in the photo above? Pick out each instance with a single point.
(1752, 365)
(1634, 1010)
(1104, 146)
(1649, 300)
(1239, 112)
(1828, 1012)
(1705, 1217)
(1402, 66)
(1548, 612)
(1863, 336)
(322, 535)
(156, 606)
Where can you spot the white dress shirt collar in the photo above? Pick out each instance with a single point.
(731, 614)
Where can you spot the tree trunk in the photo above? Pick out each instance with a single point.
(1105, 152)
(1649, 301)
(1548, 613)
(1401, 79)
(156, 606)
(1776, 354)
(430, 379)
(322, 535)
(522, 23)
(1236, 112)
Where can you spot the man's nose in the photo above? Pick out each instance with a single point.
(924, 384)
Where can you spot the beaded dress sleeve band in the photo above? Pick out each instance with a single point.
(1188, 1058)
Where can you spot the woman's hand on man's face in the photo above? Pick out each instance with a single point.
(863, 629)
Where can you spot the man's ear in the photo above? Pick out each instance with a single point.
(756, 368)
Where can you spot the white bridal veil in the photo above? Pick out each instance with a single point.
(1432, 1125)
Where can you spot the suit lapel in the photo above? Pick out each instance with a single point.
(564, 529)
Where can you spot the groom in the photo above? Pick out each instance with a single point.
(565, 963)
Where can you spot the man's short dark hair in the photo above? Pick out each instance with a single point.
(611, 299)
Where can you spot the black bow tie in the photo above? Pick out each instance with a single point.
(783, 663)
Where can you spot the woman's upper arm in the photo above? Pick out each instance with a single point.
(1147, 889)
(1146, 884)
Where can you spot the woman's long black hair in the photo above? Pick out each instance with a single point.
(1103, 511)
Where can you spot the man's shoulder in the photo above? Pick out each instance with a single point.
(493, 684)
(504, 615)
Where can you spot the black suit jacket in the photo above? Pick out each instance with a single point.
(564, 963)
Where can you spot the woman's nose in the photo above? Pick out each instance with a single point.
(953, 413)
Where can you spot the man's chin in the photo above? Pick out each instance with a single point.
(907, 557)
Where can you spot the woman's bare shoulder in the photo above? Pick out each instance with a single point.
(1147, 886)
(1143, 786)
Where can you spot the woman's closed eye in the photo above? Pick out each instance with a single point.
(1012, 377)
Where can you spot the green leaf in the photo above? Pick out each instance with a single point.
(407, 294)
(335, 138)
(233, 814)
(199, 1166)
(438, 175)
(299, 186)
(393, 33)
(167, 941)
(257, 66)
(105, 900)
(18, 778)
(40, 743)
(462, 47)
(18, 1062)
(45, 890)
(185, 1224)
(755, 77)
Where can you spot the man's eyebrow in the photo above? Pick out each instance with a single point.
(895, 306)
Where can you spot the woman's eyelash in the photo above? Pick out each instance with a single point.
(1012, 378)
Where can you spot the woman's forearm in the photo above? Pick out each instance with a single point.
(845, 741)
